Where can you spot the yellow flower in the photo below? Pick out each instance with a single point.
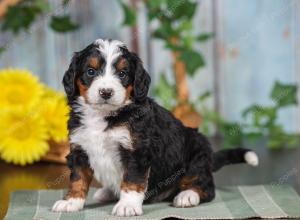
(19, 89)
(55, 111)
(51, 93)
(23, 136)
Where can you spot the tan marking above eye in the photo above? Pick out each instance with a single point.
(94, 63)
(122, 64)
(129, 90)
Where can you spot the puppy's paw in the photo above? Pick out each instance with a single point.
(104, 195)
(187, 198)
(70, 205)
(127, 209)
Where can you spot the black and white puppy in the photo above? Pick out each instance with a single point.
(134, 147)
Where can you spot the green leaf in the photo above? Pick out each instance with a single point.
(21, 16)
(173, 47)
(2, 49)
(63, 24)
(41, 5)
(154, 4)
(284, 94)
(232, 135)
(165, 31)
(293, 141)
(261, 116)
(192, 60)
(165, 91)
(188, 41)
(204, 37)
(178, 9)
(161, 33)
(129, 14)
(204, 96)
(66, 2)
(253, 136)
(18, 18)
(186, 25)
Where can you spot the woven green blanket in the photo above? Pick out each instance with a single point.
(240, 202)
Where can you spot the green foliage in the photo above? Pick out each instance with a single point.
(2, 49)
(62, 24)
(204, 37)
(193, 60)
(284, 94)
(129, 14)
(21, 16)
(260, 121)
(165, 91)
(204, 96)
(174, 19)
(179, 9)
(232, 134)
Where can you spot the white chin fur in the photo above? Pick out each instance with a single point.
(70, 205)
(251, 158)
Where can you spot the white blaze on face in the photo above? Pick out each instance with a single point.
(110, 50)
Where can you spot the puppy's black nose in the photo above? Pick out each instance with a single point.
(106, 93)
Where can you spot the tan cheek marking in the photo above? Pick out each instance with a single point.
(79, 188)
(129, 90)
(187, 183)
(94, 63)
(82, 89)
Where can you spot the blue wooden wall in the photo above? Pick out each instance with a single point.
(257, 42)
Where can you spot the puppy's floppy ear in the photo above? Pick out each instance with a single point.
(69, 77)
(141, 81)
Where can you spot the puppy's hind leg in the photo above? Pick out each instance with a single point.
(197, 186)
(193, 191)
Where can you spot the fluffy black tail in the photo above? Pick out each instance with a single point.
(234, 156)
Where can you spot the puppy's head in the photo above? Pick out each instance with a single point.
(107, 75)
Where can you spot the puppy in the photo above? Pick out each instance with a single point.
(135, 148)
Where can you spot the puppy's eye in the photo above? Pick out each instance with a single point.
(91, 72)
(122, 74)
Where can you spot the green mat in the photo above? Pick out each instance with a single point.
(240, 202)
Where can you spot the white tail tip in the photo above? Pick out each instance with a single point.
(251, 158)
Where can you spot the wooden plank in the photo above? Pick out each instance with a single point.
(256, 49)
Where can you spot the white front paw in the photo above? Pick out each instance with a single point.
(127, 209)
(104, 195)
(70, 205)
(187, 198)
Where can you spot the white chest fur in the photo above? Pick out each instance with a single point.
(101, 146)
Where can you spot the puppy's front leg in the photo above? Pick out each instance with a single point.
(80, 179)
(133, 188)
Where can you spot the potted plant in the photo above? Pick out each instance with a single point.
(174, 27)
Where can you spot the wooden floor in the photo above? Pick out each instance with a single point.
(38, 176)
(274, 169)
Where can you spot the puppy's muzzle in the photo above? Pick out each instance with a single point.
(106, 93)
